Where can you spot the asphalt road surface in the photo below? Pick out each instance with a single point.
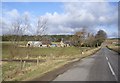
(102, 66)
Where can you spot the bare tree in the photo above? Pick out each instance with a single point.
(90, 40)
(79, 37)
(41, 28)
(15, 31)
(19, 26)
(26, 26)
(26, 23)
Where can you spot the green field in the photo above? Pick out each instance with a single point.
(8, 51)
(54, 58)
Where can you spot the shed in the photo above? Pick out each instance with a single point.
(34, 44)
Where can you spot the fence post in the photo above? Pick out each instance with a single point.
(24, 64)
(21, 64)
(37, 60)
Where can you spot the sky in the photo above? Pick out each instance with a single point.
(63, 17)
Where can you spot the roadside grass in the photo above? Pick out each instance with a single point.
(114, 47)
(41, 69)
(11, 70)
(54, 58)
(34, 52)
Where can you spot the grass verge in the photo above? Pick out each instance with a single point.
(114, 48)
(54, 59)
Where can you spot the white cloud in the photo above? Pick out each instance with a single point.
(8, 17)
(76, 16)
(13, 14)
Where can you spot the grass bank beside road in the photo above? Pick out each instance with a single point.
(114, 48)
(54, 58)
(113, 44)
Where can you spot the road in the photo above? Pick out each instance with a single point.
(102, 66)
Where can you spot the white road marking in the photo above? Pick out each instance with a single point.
(107, 58)
(112, 70)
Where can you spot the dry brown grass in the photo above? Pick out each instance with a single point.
(55, 58)
(115, 48)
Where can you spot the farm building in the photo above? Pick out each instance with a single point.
(38, 44)
(68, 43)
(65, 44)
(34, 44)
(62, 44)
(53, 45)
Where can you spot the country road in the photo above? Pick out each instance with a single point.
(102, 66)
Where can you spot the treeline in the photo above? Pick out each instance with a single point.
(86, 39)
(53, 38)
(79, 39)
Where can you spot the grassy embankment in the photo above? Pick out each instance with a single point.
(113, 44)
(114, 47)
(53, 57)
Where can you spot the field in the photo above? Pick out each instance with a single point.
(114, 47)
(113, 44)
(34, 52)
(46, 59)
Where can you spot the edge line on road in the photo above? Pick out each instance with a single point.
(107, 58)
(112, 70)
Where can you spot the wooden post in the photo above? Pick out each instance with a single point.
(24, 64)
(37, 60)
(21, 64)
(27, 56)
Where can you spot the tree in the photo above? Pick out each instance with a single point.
(41, 28)
(19, 25)
(90, 40)
(79, 37)
(100, 37)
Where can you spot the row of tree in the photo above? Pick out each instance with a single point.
(53, 38)
(86, 39)
(80, 38)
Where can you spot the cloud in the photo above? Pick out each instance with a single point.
(76, 15)
(14, 13)
(79, 15)
(11, 16)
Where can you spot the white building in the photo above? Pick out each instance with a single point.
(34, 44)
